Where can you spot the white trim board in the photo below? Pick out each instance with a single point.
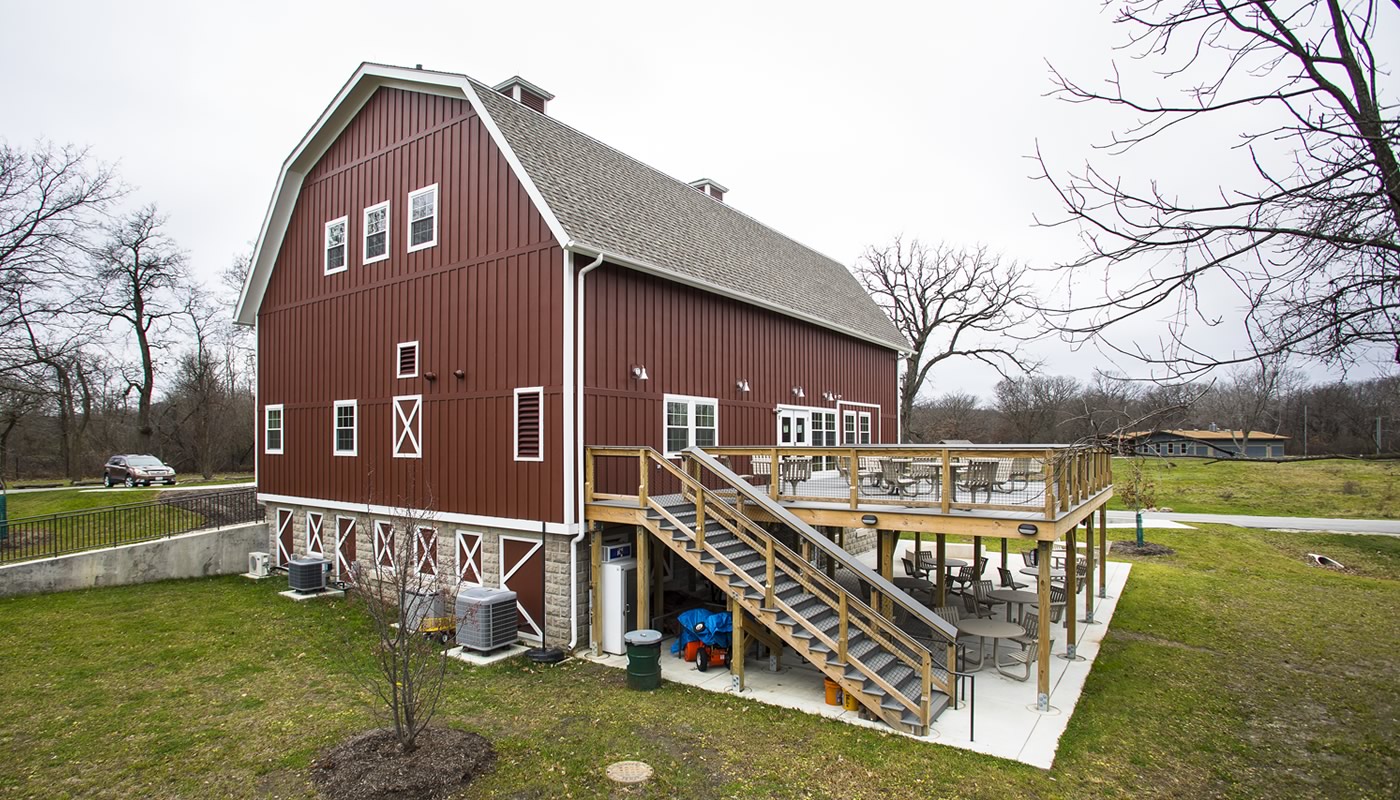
(507, 523)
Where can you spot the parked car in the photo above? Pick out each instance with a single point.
(133, 469)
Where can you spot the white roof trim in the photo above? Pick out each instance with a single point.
(724, 291)
(328, 127)
(516, 80)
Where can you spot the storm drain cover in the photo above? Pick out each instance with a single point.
(629, 772)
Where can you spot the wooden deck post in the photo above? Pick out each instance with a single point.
(887, 570)
(940, 558)
(775, 474)
(596, 599)
(1072, 595)
(643, 578)
(1003, 553)
(1089, 544)
(945, 494)
(737, 643)
(1103, 552)
(977, 555)
(1047, 468)
(1042, 661)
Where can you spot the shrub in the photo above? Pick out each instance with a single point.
(1351, 487)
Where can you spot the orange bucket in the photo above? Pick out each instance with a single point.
(851, 703)
(833, 692)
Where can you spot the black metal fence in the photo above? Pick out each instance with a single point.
(28, 538)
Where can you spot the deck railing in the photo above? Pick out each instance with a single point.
(1042, 480)
(28, 538)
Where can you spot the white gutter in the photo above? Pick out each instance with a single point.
(578, 444)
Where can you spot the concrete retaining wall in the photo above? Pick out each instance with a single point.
(217, 551)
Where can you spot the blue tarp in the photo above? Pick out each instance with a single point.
(709, 628)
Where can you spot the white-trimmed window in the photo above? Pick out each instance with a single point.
(346, 432)
(856, 427)
(384, 543)
(823, 428)
(314, 519)
(336, 231)
(272, 430)
(407, 359)
(408, 426)
(425, 550)
(529, 424)
(376, 233)
(690, 422)
(422, 218)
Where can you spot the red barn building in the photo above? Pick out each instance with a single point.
(454, 293)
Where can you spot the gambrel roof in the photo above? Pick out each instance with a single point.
(598, 200)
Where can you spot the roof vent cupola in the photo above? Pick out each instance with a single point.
(710, 187)
(524, 92)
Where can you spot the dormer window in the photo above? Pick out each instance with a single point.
(408, 360)
(422, 218)
(335, 245)
(376, 233)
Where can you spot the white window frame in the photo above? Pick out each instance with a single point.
(398, 359)
(539, 390)
(691, 402)
(326, 246)
(354, 428)
(365, 257)
(401, 431)
(382, 547)
(281, 429)
(828, 415)
(320, 531)
(408, 211)
(859, 416)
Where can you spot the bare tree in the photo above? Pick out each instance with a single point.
(51, 199)
(949, 302)
(139, 276)
(1032, 407)
(1308, 243)
(1251, 400)
(399, 585)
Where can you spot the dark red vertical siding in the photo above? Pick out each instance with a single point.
(486, 300)
(697, 343)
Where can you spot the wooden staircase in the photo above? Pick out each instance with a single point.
(895, 676)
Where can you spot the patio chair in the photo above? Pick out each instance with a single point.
(895, 479)
(979, 476)
(1031, 557)
(909, 568)
(981, 595)
(1018, 474)
(981, 567)
(958, 584)
(796, 470)
(869, 470)
(1030, 649)
(761, 466)
(949, 613)
(1008, 581)
(926, 469)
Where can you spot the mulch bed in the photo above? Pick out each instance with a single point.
(369, 766)
(1147, 549)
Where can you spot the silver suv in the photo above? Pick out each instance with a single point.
(133, 469)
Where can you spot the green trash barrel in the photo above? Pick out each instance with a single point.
(4, 519)
(643, 659)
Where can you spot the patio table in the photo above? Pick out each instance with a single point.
(1016, 597)
(1034, 572)
(984, 629)
(948, 563)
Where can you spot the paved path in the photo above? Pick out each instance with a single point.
(1383, 527)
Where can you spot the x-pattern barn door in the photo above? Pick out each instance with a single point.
(469, 557)
(313, 532)
(344, 546)
(522, 572)
(284, 536)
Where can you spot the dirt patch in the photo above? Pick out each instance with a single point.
(369, 766)
(1147, 549)
(1134, 636)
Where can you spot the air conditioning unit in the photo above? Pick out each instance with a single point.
(259, 565)
(486, 618)
(307, 574)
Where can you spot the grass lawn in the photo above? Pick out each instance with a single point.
(1232, 669)
(58, 501)
(1347, 489)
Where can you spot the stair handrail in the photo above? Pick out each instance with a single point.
(807, 532)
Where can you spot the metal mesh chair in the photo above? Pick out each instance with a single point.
(1008, 581)
(1029, 652)
(981, 595)
(958, 583)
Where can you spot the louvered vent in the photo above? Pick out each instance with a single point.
(528, 441)
(408, 360)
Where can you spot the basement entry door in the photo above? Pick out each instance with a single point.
(522, 572)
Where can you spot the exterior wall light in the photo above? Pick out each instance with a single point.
(1027, 529)
(798, 393)
(639, 372)
(830, 397)
(869, 520)
(742, 386)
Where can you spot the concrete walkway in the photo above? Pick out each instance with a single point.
(1380, 527)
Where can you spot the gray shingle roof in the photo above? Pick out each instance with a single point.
(610, 201)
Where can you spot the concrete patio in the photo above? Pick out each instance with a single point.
(1006, 722)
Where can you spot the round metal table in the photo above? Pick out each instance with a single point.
(984, 629)
(1034, 572)
(948, 563)
(1017, 597)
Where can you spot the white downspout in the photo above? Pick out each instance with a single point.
(578, 447)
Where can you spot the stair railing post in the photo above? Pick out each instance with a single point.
(589, 475)
(700, 519)
(775, 473)
(926, 685)
(1048, 471)
(853, 476)
(843, 617)
(945, 493)
(642, 474)
(768, 573)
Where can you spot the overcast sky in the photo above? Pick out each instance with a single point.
(840, 125)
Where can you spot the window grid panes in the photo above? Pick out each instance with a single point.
(273, 430)
(335, 245)
(345, 429)
(422, 218)
(690, 421)
(377, 232)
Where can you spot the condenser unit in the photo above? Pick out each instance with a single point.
(259, 565)
(486, 618)
(307, 574)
